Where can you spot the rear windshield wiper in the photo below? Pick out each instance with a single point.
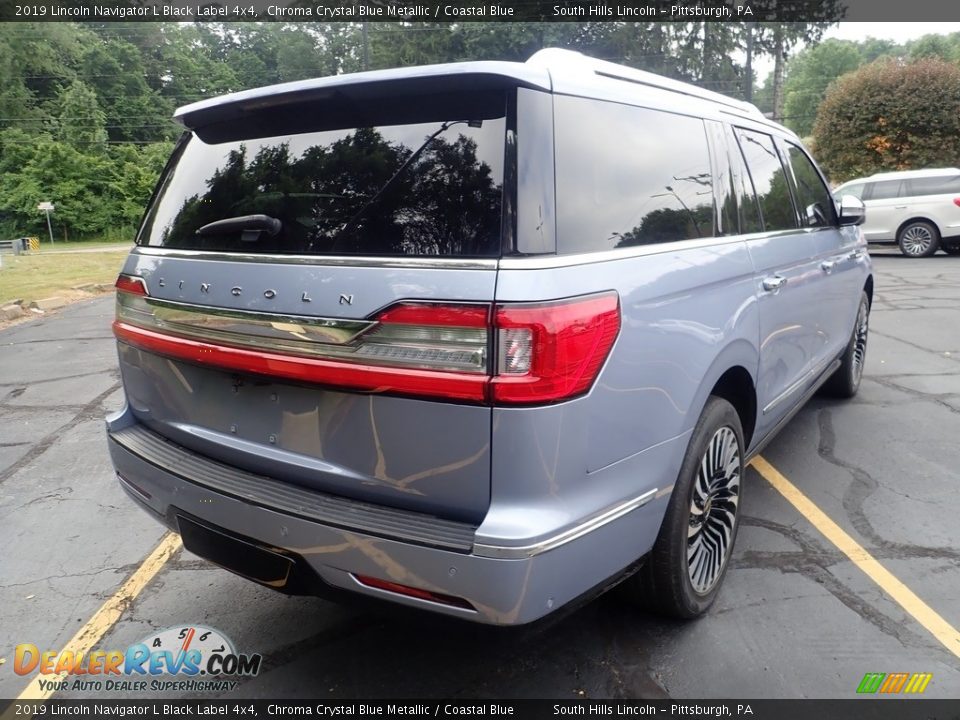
(407, 163)
(249, 226)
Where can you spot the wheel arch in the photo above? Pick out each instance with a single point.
(732, 376)
(918, 218)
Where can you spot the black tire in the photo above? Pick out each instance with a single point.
(665, 584)
(918, 239)
(951, 249)
(845, 382)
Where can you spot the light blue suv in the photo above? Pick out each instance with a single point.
(482, 338)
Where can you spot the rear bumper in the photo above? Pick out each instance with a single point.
(335, 540)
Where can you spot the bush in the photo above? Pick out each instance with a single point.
(890, 116)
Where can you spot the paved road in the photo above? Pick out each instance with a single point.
(795, 618)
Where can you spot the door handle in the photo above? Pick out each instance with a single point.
(827, 266)
(774, 283)
(900, 207)
(855, 255)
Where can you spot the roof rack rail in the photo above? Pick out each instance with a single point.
(559, 60)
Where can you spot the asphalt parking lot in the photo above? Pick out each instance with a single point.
(796, 617)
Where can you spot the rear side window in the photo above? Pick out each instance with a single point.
(884, 190)
(769, 180)
(933, 186)
(429, 185)
(816, 205)
(629, 176)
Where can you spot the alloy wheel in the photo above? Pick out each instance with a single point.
(713, 510)
(917, 240)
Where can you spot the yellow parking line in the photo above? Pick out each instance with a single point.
(98, 625)
(904, 596)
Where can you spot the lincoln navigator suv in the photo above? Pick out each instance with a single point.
(482, 338)
(919, 210)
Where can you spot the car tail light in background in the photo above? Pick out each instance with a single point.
(956, 201)
(505, 354)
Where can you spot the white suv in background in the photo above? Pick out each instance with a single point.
(917, 209)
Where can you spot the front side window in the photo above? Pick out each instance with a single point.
(855, 190)
(629, 176)
(432, 186)
(816, 207)
(769, 180)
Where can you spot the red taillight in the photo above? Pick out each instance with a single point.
(427, 314)
(131, 284)
(554, 351)
(413, 592)
(956, 201)
(508, 354)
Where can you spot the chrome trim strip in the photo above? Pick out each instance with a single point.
(504, 552)
(761, 443)
(213, 323)
(546, 262)
(427, 263)
(813, 372)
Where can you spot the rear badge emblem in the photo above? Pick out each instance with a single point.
(346, 299)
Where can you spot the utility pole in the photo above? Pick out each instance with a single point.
(748, 91)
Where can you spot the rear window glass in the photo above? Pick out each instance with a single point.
(417, 188)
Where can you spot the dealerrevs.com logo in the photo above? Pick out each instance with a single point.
(191, 658)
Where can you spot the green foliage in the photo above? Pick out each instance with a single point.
(82, 122)
(94, 190)
(809, 75)
(890, 116)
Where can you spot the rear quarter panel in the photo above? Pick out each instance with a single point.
(689, 313)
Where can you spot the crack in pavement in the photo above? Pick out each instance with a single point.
(129, 568)
(58, 339)
(814, 562)
(113, 372)
(937, 399)
(87, 412)
(939, 353)
(863, 486)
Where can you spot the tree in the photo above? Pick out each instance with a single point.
(890, 116)
(808, 75)
(778, 38)
(133, 110)
(934, 46)
(82, 121)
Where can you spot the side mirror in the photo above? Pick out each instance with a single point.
(815, 216)
(852, 211)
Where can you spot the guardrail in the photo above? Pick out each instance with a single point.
(20, 245)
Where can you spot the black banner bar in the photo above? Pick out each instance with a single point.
(853, 709)
(477, 10)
